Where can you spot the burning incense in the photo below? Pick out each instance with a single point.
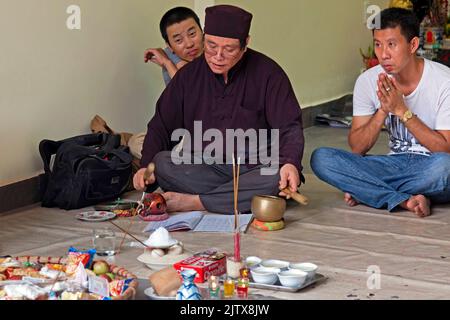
(237, 235)
(125, 235)
(126, 232)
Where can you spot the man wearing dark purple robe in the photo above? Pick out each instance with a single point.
(229, 87)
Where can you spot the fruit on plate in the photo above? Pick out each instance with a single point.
(100, 267)
(111, 275)
(105, 276)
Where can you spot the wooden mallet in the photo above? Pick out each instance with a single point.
(149, 171)
(296, 196)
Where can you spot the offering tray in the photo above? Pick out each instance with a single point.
(119, 273)
(277, 286)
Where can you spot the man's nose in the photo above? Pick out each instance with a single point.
(189, 43)
(385, 53)
(219, 54)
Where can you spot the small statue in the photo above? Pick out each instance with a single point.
(188, 290)
(404, 4)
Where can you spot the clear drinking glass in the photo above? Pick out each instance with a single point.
(104, 241)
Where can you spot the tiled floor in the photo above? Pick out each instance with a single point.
(411, 254)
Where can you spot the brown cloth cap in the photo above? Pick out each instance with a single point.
(228, 22)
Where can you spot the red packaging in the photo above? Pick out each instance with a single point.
(208, 263)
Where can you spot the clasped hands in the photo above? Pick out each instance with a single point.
(390, 96)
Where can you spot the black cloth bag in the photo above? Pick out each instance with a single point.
(87, 170)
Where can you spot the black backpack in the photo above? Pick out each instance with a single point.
(87, 170)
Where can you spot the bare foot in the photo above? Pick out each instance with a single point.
(350, 201)
(179, 202)
(419, 204)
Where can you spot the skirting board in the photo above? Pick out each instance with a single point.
(20, 194)
(27, 192)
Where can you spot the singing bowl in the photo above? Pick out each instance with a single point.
(268, 208)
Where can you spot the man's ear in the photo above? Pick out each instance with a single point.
(415, 42)
(247, 41)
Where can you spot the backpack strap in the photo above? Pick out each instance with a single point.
(110, 142)
(47, 148)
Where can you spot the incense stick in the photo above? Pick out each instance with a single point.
(237, 192)
(124, 236)
(237, 236)
(234, 192)
(130, 235)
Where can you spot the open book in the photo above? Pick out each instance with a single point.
(197, 221)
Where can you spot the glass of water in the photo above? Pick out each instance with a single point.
(104, 241)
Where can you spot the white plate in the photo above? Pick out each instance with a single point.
(160, 263)
(150, 292)
(96, 216)
(157, 266)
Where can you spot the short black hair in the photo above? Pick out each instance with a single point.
(176, 15)
(406, 19)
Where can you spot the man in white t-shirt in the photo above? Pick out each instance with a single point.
(411, 96)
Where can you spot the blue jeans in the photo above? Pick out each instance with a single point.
(384, 181)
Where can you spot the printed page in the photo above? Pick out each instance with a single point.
(222, 223)
(182, 221)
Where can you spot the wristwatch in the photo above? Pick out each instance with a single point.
(408, 115)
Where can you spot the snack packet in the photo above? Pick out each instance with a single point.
(90, 252)
(118, 287)
(52, 274)
(75, 257)
(30, 292)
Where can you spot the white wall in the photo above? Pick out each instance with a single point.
(316, 42)
(54, 80)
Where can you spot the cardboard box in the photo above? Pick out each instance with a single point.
(208, 263)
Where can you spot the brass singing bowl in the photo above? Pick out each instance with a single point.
(268, 208)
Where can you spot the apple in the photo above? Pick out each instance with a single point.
(104, 276)
(111, 275)
(100, 267)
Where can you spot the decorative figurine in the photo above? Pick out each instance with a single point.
(188, 290)
(153, 207)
